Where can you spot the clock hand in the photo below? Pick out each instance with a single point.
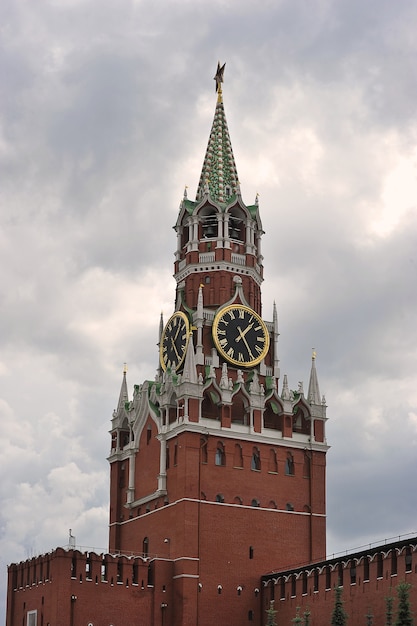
(175, 350)
(242, 333)
(242, 336)
(178, 330)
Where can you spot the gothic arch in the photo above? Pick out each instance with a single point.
(237, 223)
(210, 406)
(273, 414)
(207, 222)
(301, 421)
(240, 409)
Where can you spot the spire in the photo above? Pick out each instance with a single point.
(313, 386)
(285, 395)
(190, 370)
(219, 174)
(123, 397)
(161, 326)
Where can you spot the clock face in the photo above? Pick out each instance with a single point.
(240, 335)
(174, 341)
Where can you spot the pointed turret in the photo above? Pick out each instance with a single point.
(124, 396)
(314, 396)
(190, 370)
(219, 174)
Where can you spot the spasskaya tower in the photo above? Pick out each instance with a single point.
(217, 468)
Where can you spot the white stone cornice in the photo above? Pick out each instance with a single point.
(232, 268)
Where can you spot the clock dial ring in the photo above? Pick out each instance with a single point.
(240, 335)
(174, 341)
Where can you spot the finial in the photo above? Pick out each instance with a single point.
(125, 368)
(314, 354)
(219, 79)
(185, 191)
(257, 198)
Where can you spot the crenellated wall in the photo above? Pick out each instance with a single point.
(367, 579)
(68, 587)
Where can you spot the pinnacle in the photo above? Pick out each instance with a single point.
(219, 173)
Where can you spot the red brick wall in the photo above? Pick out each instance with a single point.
(359, 597)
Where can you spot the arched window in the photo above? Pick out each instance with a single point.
(289, 465)
(237, 225)
(209, 224)
(220, 458)
(256, 459)
(238, 456)
(255, 503)
(273, 464)
(219, 497)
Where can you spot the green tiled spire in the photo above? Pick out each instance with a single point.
(219, 167)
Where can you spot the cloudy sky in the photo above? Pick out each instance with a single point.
(106, 109)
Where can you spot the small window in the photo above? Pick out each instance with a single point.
(289, 506)
(250, 616)
(220, 458)
(32, 618)
(256, 459)
(282, 589)
(238, 456)
(219, 497)
(148, 435)
(251, 552)
(255, 502)
(207, 280)
(273, 464)
(289, 465)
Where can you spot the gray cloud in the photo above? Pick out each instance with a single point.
(105, 113)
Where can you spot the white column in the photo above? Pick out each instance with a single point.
(162, 477)
(131, 487)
